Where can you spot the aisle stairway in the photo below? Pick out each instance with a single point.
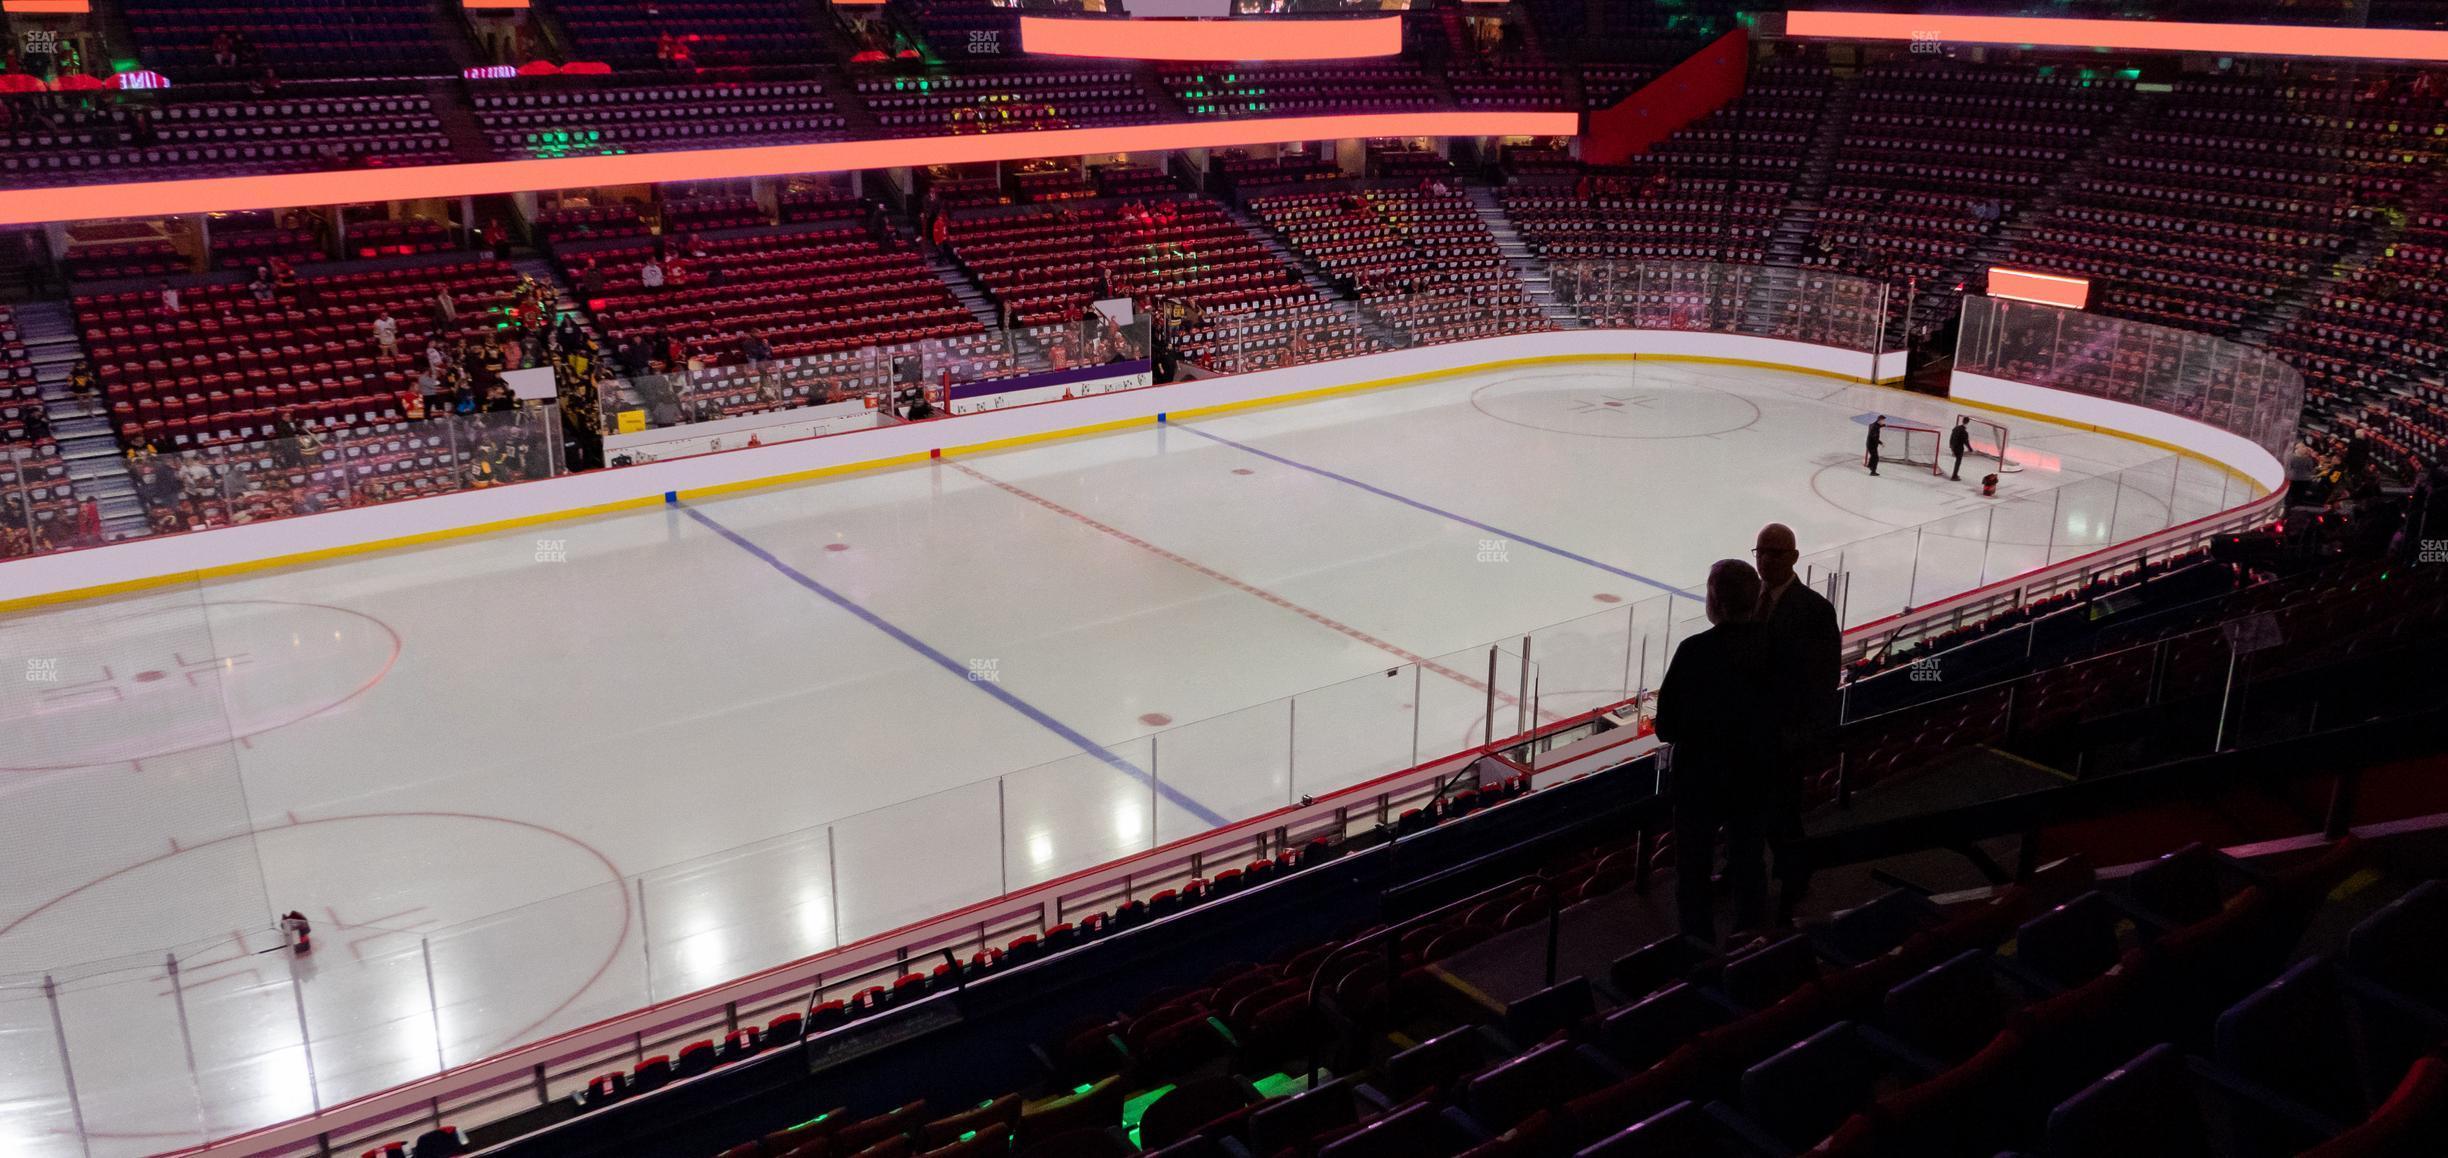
(96, 468)
(1938, 302)
(468, 141)
(1313, 275)
(1790, 241)
(1533, 272)
(974, 298)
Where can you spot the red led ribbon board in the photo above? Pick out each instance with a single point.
(1258, 39)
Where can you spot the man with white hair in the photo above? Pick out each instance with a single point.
(1804, 645)
(1713, 708)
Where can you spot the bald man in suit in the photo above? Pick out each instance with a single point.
(1804, 643)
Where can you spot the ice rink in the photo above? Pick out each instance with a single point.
(523, 781)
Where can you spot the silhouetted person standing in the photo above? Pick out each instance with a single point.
(1870, 450)
(1713, 708)
(1959, 440)
(1804, 644)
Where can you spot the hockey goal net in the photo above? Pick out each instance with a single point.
(1988, 445)
(1911, 445)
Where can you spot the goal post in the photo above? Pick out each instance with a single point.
(1989, 442)
(1911, 445)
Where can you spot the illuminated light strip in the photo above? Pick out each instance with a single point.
(2048, 289)
(494, 5)
(1217, 40)
(365, 186)
(46, 7)
(2145, 35)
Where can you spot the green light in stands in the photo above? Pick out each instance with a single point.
(1277, 1085)
(125, 65)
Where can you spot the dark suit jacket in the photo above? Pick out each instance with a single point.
(1714, 707)
(1803, 645)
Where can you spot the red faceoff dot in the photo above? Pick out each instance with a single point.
(1155, 719)
(1604, 597)
(1243, 470)
(837, 546)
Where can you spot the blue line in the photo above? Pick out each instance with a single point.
(1440, 512)
(912, 642)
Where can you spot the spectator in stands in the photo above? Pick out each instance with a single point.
(170, 305)
(224, 50)
(89, 521)
(289, 440)
(386, 334)
(260, 290)
(757, 353)
(482, 472)
(20, 534)
(445, 310)
(2303, 468)
(1804, 644)
(196, 479)
(591, 286)
(497, 239)
(650, 275)
(84, 386)
(1711, 707)
(491, 360)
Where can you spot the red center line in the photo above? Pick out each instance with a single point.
(1316, 617)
